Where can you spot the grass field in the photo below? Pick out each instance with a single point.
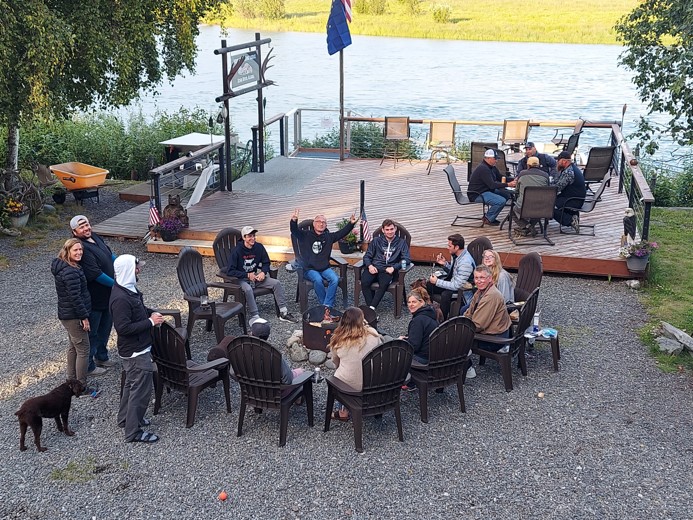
(552, 21)
(668, 294)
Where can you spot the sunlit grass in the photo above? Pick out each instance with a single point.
(552, 21)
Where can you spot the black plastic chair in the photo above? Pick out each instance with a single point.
(385, 369)
(529, 274)
(191, 277)
(257, 366)
(448, 355)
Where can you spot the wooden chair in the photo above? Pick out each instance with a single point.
(516, 342)
(176, 371)
(448, 355)
(191, 277)
(224, 243)
(586, 205)
(537, 203)
(441, 141)
(515, 133)
(462, 198)
(397, 287)
(385, 369)
(396, 135)
(303, 286)
(257, 366)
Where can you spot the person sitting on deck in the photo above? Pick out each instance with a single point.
(382, 262)
(250, 263)
(533, 175)
(315, 244)
(546, 162)
(485, 184)
(571, 184)
(458, 271)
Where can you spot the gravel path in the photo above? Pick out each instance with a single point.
(610, 438)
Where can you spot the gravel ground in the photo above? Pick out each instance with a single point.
(610, 438)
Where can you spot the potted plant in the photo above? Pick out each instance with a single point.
(17, 211)
(168, 228)
(347, 245)
(637, 254)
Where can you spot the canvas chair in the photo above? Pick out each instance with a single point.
(448, 355)
(599, 162)
(396, 134)
(396, 287)
(462, 198)
(586, 205)
(191, 277)
(516, 343)
(537, 203)
(385, 369)
(257, 366)
(515, 133)
(224, 243)
(562, 142)
(303, 286)
(440, 140)
(176, 371)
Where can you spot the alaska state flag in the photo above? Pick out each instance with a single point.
(338, 35)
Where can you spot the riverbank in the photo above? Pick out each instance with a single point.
(548, 21)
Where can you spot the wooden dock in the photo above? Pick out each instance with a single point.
(424, 204)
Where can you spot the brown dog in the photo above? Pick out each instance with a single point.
(420, 282)
(55, 404)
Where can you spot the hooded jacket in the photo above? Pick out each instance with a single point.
(316, 249)
(97, 262)
(74, 302)
(383, 254)
(422, 323)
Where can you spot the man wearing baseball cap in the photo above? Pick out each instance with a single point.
(97, 263)
(250, 263)
(546, 162)
(571, 188)
(485, 184)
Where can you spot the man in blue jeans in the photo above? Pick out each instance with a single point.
(97, 263)
(486, 184)
(315, 245)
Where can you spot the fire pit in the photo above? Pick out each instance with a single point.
(318, 324)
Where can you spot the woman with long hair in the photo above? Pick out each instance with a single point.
(501, 278)
(351, 341)
(74, 305)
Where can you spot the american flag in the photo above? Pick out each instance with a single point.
(347, 9)
(153, 214)
(366, 236)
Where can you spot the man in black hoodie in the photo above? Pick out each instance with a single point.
(315, 246)
(133, 323)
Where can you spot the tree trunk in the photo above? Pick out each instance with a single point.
(11, 163)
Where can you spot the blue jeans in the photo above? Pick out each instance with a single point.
(496, 201)
(100, 323)
(324, 297)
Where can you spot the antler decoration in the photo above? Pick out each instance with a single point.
(264, 67)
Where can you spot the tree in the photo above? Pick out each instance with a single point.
(63, 55)
(658, 35)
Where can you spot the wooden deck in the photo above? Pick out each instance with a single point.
(423, 203)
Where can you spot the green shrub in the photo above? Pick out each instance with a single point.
(442, 13)
(272, 9)
(246, 8)
(412, 6)
(374, 7)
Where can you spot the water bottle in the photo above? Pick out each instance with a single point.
(404, 264)
(535, 323)
(317, 377)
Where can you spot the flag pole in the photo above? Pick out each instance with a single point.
(362, 203)
(341, 105)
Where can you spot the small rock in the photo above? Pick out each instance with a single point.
(672, 332)
(330, 364)
(298, 353)
(633, 284)
(540, 395)
(317, 357)
(329, 355)
(292, 339)
(668, 345)
(47, 208)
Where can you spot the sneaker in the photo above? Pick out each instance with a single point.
(504, 350)
(287, 316)
(575, 224)
(490, 223)
(98, 371)
(253, 319)
(105, 364)
(471, 373)
(409, 387)
(92, 391)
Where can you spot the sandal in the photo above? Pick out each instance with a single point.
(336, 415)
(147, 437)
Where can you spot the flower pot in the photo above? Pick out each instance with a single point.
(637, 264)
(346, 248)
(59, 198)
(19, 220)
(168, 236)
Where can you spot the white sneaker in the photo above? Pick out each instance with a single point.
(505, 349)
(471, 373)
(253, 319)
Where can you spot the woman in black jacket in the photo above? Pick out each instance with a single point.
(74, 305)
(423, 322)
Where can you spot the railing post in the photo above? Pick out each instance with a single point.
(157, 190)
(224, 176)
(631, 192)
(253, 161)
(281, 138)
(646, 221)
(286, 135)
(297, 129)
(622, 172)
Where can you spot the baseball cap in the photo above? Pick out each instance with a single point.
(533, 161)
(529, 144)
(140, 263)
(564, 155)
(248, 230)
(260, 329)
(490, 153)
(74, 223)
